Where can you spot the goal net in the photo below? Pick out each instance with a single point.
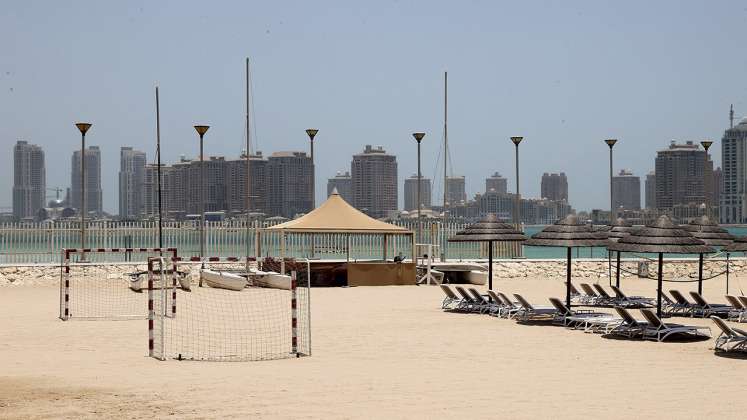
(106, 283)
(238, 314)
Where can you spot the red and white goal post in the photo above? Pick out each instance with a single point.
(265, 318)
(107, 283)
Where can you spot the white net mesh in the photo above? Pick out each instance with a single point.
(217, 324)
(106, 286)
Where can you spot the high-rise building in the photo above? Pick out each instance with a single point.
(411, 193)
(734, 162)
(236, 184)
(93, 180)
(343, 182)
(554, 186)
(456, 192)
(717, 188)
(626, 191)
(29, 180)
(131, 182)
(289, 180)
(496, 183)
(150, 190)
(651, 190)
(683, 176)
(374, 174)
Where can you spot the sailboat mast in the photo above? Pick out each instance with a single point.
(446, 135)
(248, 168)
(158, 171)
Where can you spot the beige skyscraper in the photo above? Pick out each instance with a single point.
(29, 180)
(374, 175)
(93, 181)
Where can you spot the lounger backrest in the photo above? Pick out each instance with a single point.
(505, 299)
(652, 319)
(448, 292)
(733, 301)
(618, 292)
(562, 309)
(666, 298)
(679, 298)
(625, 315)
(463, 294)
(743, 299)
(603, 293)
(698, 299)
(588, 290)
(574, 291)
(493, 296)
(478, 297)
(722, 325)
(523, 302)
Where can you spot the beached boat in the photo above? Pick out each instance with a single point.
(462, 272)
(269, 279)
(222, 280)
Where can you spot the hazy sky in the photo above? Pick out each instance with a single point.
(564, 74)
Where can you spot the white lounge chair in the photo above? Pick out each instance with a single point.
(659, 331)
(704, 309)
(451, 301)
(588, 320)
(730, 339)
(739, 311)
(529, 312)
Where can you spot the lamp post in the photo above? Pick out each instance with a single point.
(418, 138)
(201, 130)
(706, 145)
(83, 127)
(311, 132)
(610, 143)
(517, 219)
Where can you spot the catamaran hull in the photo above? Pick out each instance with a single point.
(220, 280)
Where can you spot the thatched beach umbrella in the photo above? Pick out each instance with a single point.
(739, 245)
(661, 237)
(620, 228)
(712, 234)
(489, 230)
(568, 233)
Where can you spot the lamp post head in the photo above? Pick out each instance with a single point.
(202, 129)
(610, 142)
(418, 136)
(312, 133)
(706, 144)
(517, 140)
(83, 127)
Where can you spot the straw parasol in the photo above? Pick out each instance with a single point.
(620, 228)
(739, 245)
(712, 234)
(489, 230)
(661, 237)
(568, 233)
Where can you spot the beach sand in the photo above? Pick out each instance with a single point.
(378, 352)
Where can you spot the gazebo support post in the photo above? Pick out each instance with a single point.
(568, 279)
(490, 266)
(727, 273)
(700, 273)
(347, 246)
(660, 285)
(609, 265)
(617, 271)
(385, 246)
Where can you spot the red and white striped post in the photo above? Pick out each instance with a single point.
(294, 316)
(65, 312)
(151, 310)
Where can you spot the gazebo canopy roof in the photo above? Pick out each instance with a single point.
(662, 236)
(709, 232)
(337, 216)
(620, 228)
(739, 245)
(488, 229)
(569, 232)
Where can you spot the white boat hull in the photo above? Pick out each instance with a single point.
(220, 280)
(270, 279)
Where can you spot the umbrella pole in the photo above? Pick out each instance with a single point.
(568, 279)
(609, 265)
(700, 274)
(490, 267)
(617, 271)
(727, 273)
(658, 292)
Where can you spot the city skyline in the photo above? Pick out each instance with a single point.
(564, 94)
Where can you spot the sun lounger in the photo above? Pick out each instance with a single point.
(579, 318)
(730, 339)
(496, 305)
(451, 301)
(529, 312)
(468, 302)
(659, 331)
(629, 327)
(576, 296)
(483, 305)
(605, 297)
(670, 307)
(590, 296)
(704, 309)
(743, 300)
(508, 308)
(684, 306)
(739, 311)
(622, 299)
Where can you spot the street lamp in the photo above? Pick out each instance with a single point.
(311, 132)
(610, 143)
(418, 138)
(83, 127)
(706, 145)
(517, 220)
(201, 130)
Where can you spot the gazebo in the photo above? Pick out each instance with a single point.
(336, 216)
(489, 230)
(712, 234)
(568, 233)
(661, 237)
(739, 245)
(620, 228)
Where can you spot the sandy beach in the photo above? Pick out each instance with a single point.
(378, 352)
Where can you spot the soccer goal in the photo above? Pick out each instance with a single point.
(108, 283)
(239, 313)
